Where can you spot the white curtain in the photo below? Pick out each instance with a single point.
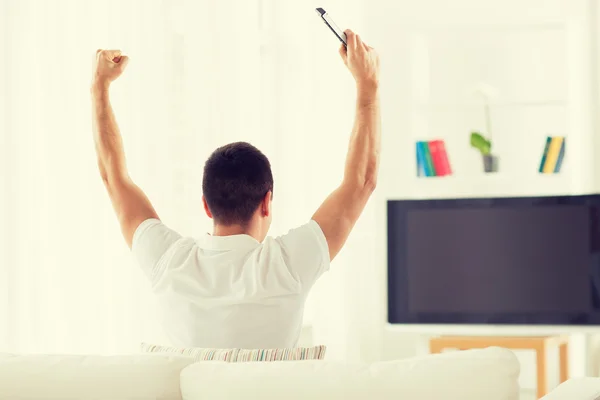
(68, 277)
(202, 74)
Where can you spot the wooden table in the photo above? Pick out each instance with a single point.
(538, 343)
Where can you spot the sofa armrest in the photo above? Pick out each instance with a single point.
(576, 389)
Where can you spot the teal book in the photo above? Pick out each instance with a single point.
(561, 156)
(545, 154)
(420, 160)
(428, 164)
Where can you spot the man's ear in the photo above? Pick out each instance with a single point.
(206, 209)
(266, 204)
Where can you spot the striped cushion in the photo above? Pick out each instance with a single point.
(242, 355)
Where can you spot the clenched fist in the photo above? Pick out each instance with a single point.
(361, 60)
(109, 65)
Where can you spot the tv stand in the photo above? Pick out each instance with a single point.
(539, 344)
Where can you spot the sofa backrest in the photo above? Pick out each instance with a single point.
(139, 377)
(576, 389)
(489, 374)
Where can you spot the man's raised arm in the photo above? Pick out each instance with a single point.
(130, 203)
(340, 211)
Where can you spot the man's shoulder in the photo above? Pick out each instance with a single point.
(304, 251)
(309, 229)
(302, 241)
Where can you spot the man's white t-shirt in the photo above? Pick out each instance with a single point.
(231, 291)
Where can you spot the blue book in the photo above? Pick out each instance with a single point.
(561, 155)
(545, 154)
(426, 157)
(420, 160)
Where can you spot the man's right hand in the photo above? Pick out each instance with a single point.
(361, 60)
(109, 65)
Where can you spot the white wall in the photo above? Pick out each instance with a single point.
(3, 167)
(538, 54)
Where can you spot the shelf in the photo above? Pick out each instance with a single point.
(479, 105)
(488, 185)
(490, 329)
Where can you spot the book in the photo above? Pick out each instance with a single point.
(420, 160)
(446, 159)
(428, 165)
(552, 156)
(439, 157)
(545, 153)
(561, 156)
(436, 156)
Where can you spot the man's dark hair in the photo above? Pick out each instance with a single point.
(236, 179)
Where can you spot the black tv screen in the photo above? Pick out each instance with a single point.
(529, 260)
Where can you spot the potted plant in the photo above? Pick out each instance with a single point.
(478, 140)
(484, 145)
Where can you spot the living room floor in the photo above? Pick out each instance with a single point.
(528, 395)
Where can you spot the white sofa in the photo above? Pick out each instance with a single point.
(576, 389)
(489, 374)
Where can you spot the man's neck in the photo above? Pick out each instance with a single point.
(229, 230)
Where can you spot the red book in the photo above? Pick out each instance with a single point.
(437, 148)
(445, 160)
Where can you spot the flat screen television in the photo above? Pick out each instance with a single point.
(514, 261)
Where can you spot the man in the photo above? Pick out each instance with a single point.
(237, 287)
